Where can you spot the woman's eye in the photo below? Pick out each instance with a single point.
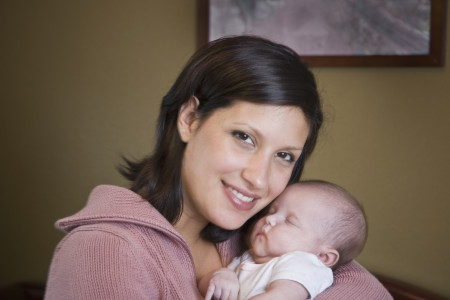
(243, 136)
(286, 156)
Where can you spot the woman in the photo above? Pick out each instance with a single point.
(235, 128)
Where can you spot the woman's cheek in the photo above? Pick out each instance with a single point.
(277, 183)
(232, 157)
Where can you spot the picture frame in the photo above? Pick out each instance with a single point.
(425, 47)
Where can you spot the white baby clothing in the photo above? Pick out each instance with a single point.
(298, 266)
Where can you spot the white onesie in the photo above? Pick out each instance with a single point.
(298, 266)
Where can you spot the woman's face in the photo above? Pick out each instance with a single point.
(238, 159)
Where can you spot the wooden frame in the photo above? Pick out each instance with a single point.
(434, 58)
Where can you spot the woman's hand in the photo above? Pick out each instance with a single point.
(224, 285)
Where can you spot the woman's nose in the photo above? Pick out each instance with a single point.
(257, 172)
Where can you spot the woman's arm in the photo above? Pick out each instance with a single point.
(352, 281)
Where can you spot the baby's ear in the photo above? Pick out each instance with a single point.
(329, 256)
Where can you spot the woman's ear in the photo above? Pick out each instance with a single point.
(187, 120)
(328, 256)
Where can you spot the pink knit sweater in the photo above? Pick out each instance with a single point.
(119, 247)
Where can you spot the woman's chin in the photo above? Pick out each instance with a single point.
(230, 224)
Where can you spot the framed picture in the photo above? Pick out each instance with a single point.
(336, 33)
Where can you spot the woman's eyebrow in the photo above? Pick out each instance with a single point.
(294, 148)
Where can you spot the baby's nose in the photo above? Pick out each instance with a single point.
(271, 220)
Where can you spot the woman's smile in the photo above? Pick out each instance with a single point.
(241, 196)
(240, 199)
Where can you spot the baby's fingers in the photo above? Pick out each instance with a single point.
(234, 294)
(214, 293)
(225, 295)
(228, 294)
(210, 292)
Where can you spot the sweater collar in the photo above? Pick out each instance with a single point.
(108, 203)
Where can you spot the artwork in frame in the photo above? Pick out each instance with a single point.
(336, 33)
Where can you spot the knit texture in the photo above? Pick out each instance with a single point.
(353, 281)
(119, 247)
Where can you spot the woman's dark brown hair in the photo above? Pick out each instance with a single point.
(244, 68)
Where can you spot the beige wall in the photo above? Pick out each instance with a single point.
(81, 84)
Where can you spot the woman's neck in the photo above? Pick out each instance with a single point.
(205, 255)
(190, 228)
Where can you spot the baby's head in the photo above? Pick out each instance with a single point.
(312, 216)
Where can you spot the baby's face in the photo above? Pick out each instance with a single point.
(294, 223)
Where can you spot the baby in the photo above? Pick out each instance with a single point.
(311, 228)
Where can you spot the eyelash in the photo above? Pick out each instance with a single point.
(290, 222)
(291, 158)
(245, 137)
(286, 220)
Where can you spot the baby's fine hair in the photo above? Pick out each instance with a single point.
(347, 230)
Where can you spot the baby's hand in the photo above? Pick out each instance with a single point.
(224, 285)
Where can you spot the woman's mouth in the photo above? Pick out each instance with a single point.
(240, 200)
(240, 196)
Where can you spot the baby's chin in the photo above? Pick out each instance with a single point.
(260, 254)
(260, 259)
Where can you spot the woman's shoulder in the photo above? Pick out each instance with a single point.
(116, 219)
(353, 281)
(104, 257)
(113, 204)
(119, 235)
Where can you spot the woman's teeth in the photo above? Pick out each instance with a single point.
(240, 196)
